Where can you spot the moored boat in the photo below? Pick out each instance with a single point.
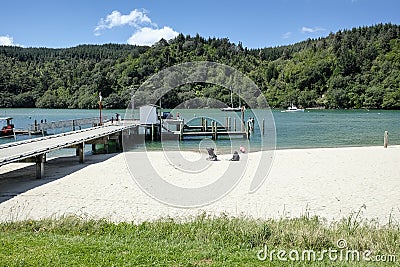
(232, 108)
(8, 126)
(293, 108)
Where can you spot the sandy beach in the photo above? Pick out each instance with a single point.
(328, 182)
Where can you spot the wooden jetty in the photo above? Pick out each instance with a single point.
(207, 128)
(158, 127)
(35, 150)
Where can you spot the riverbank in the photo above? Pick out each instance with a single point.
(329, 182)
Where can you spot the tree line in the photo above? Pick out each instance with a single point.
(357, 68)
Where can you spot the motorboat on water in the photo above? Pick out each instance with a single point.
(293, 108)
(7, 126)
(237, 109)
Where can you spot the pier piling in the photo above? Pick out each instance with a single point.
(385, 139)
(39, 160)
(263, 126)
(81, 152)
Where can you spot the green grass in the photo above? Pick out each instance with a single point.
(201, 241)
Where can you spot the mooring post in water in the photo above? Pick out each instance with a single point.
(385, 139)
(216, 130)
(234, 124)
(212, 130)
(263, 126)
(248, 130)
(242, 121)
(181, 131)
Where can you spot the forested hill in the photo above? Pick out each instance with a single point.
(357, 68)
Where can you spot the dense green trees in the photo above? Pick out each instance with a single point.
(357, 68)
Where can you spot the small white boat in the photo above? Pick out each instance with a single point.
(232, 108)
(293, 108)
(237, 109)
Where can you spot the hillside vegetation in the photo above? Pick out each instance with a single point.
(357, 68)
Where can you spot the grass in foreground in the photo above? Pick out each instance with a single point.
(202, 241)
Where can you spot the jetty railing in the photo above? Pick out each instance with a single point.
(74, 124)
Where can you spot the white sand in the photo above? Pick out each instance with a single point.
(328, 182)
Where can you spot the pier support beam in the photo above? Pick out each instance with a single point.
(40, 159)
(81, 152)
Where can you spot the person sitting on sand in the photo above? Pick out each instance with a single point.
(211, 154)
(235, 156)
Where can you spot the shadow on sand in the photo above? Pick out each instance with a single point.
(17, 181)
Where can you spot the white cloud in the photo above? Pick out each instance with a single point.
(146, 31)
(136, 19)
(7, 40)
(311, 30)
(286, 35)
(149, 36)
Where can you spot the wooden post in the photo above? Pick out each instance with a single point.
(81, 151)
(226, 123)
(234, 124)
(206, 125)
(263, 126)
(385, 139)
(39, 159)
(119, 142)
(248, 130)
(181, 132)
(242, 120)
(15, 136)
(229, 124)
(216, 130)
(100, 107)
(152, 132)
(106, 147)
(212, 130)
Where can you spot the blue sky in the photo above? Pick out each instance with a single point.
(256, 23)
